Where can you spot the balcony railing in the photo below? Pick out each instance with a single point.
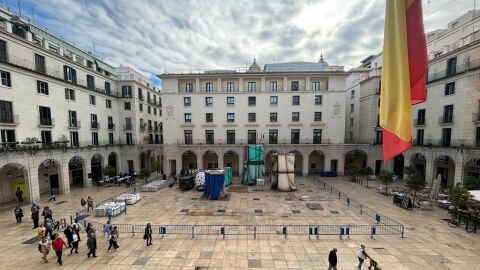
(476, 118)
(111, 126)
(73, 124)
(46, 122)
(443, 121)
(155, 129)
(150, 128)
(13, 120)
(419, 122)
(94, 125)
(473, 64)
(245, 141)
(127, 127)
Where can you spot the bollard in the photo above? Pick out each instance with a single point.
(377, 218)
(133, 231)
(164, 230)
(255, 232)
(361, 208)
(373, 231)
(285, 231)
(222, 232)
(331, 190)
(193, 231)
(348, 201)
(402, 231)
(339, 195)
(71, 219)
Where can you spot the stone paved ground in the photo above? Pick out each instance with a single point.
(429, 243)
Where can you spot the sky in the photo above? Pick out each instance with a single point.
(155, 36)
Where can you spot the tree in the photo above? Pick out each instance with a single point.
(145, 173)
(415, 182)
(109, 170)
(458, 196)
(366, 172)
(386, 178)
(471, 183)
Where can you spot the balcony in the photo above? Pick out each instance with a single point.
(150, 128)
(476, 118)
(155, 129)
(73, 124)
(94, 125)
(111, 126)
(445, 121)
(142, 127)
(469, 65)
(419, 122)
(245, 141)
(127, 127)
(10, 121)
(46, 122)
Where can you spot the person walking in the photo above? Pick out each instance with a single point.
(332, 259)
(35, 218)
(148, 234)
(92, 245)
(68, 232)
(89, 203)
(113, 239)
(41, 231)
(76, 230)
(75, 241)
(83, 203)
(58, 245)
(49, 228)
(107, 228)
(44, 247)
(47, 213)
(18, 214)
(19, 195)
(362, 255)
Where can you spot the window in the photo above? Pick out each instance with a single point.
(251, 117)
(230, 87)
(72, 119)
(90, 82)
(6, 112)
(209, 137)
(449, 88)
(448, 114)
(127, 91)
(40, 63)
(351, 122)
(127, 106)
(187, 117)
(295, 136)
(273, 117)
(451, 66)
(230, 101)
(129, 138)
(208, 87)
(92, 100)
(148, 97)
(74, 139)
(70, 74)
(317, 117)
(70, 94)
(110, 124)
(149, 109)
(3, 51)
(295, 116)
(108, 103)
(140, 107)
(154, 111)
(5, 78)
(128, 123)
(318, 99)
(93, 121)
(252, 87)
(208, 101)
(420, 134)
(230, 136)
(295, 100)
(45, 116)
(187, 101)
(94, 138)
(42, 88)
(477, 137)
(89, 64)
(8, 135)
(188, 136)
(420, 117)
(140, 93)
(446, 136)
(46, 136)
(352, 94)
(274, 100)
(252, 136)
(273, 136)
(108, 88)
(110, 138)
(378, 137)
(188, 88)
(316, 86)
(230, 117)
(294, 85)
(273, 86)
(352, 108)
(209, 117)
(317, 136)
(252, 101)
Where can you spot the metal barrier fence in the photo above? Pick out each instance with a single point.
(259, 230)
(377, 217)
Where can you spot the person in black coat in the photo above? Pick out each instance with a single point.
(332, 259)
(69, 235)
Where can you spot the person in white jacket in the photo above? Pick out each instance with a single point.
(362, 255)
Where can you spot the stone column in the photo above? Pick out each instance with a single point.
(199, 161)
(305, 166)
(178, 164)
(87, 170)
(240, 85)
(459, 163)
(219, 84)
(285, 84)
(262, 84)
(430, 171)
(33, 185)
(307, 83)
(220, 160)
(63, 178)
(197, 85)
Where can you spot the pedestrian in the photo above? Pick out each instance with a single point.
(332, 259)
(75, 241)
(19, 195)
(90, 203)
(18, 214)
(92, 245)
(44, 247)
(83, 203)
(113, 239)
(76, 230)
(35, 219)
(35, 207)
(41, 231)
(47, 213)
(362, 255)
(69, 235)
(148, 234)
(49, 228)
(58, 245)
(109, 214)
(107, 228)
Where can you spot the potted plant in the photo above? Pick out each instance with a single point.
(145, 173)
(386, 177)
(414, 182)
(109, 170)
(458, 196)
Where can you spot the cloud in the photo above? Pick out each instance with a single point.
(153, 36)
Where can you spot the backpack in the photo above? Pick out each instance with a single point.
(48, 226)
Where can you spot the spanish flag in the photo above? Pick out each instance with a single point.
(403, 73)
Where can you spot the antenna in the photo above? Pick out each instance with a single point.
(93, 42)
(33, 17)
(19, 10)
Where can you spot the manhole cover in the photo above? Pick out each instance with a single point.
(61, 202)
(184, 210)
(296, 211)
(256, 199)
(141, 261)
(314, 206)
(32, 240)
(258, 211)
(254, 264)
(335, 212)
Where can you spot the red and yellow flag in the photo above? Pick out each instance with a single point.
(403, 73)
